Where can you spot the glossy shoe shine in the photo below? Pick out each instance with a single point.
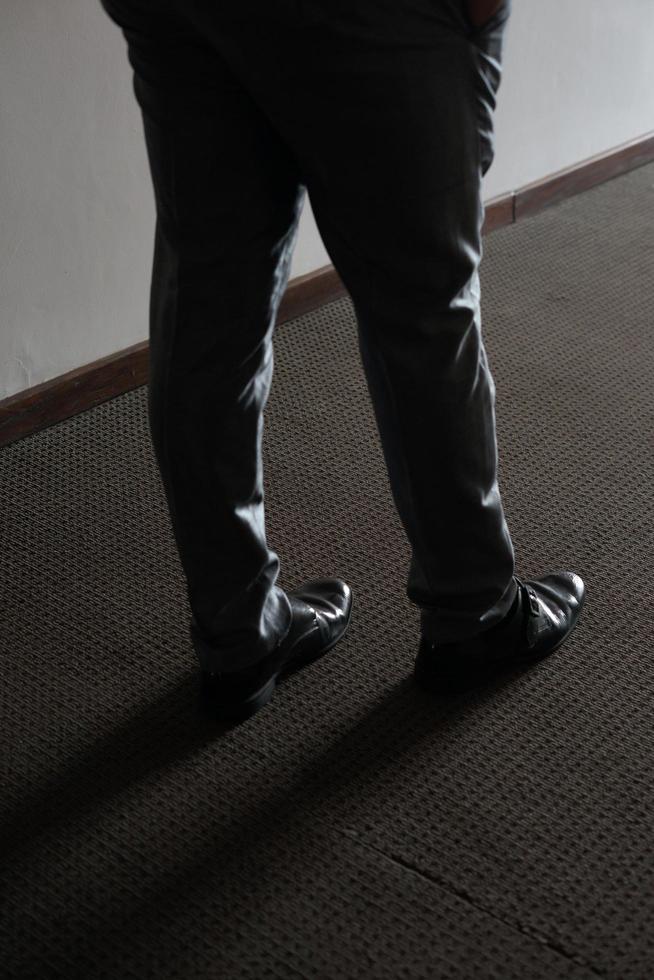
(321, 614)
(543, 616)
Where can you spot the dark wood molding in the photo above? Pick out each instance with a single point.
(65, 396)
(308, 292)
(84, 387)
(73, 392)
(582, 176)
(499, 211)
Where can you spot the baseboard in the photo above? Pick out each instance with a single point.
(573, 180)
(77, 391)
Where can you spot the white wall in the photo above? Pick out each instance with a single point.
(76, 206)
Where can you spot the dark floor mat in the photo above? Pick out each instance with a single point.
(355, 827)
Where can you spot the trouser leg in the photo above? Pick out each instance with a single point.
(228, 199)
(389, 107)
(409, 250)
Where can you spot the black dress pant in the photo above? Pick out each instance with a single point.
(380, 110)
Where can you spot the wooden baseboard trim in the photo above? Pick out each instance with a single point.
(308, 292)
(581, 177)
(76, 391)
(498, 212)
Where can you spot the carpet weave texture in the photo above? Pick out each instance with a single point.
(355, 827)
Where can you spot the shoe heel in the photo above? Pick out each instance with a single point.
(239, 711)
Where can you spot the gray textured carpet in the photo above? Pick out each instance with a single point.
(354, 827)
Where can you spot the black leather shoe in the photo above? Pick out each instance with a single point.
(544, 614)
(321, 614)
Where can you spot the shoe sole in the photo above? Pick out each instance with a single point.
(248, 707)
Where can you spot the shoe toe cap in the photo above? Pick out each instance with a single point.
(330, 596)
(564, 591)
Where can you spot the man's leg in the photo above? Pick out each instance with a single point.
(413, 275)
(387, 103)
(228, 198)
